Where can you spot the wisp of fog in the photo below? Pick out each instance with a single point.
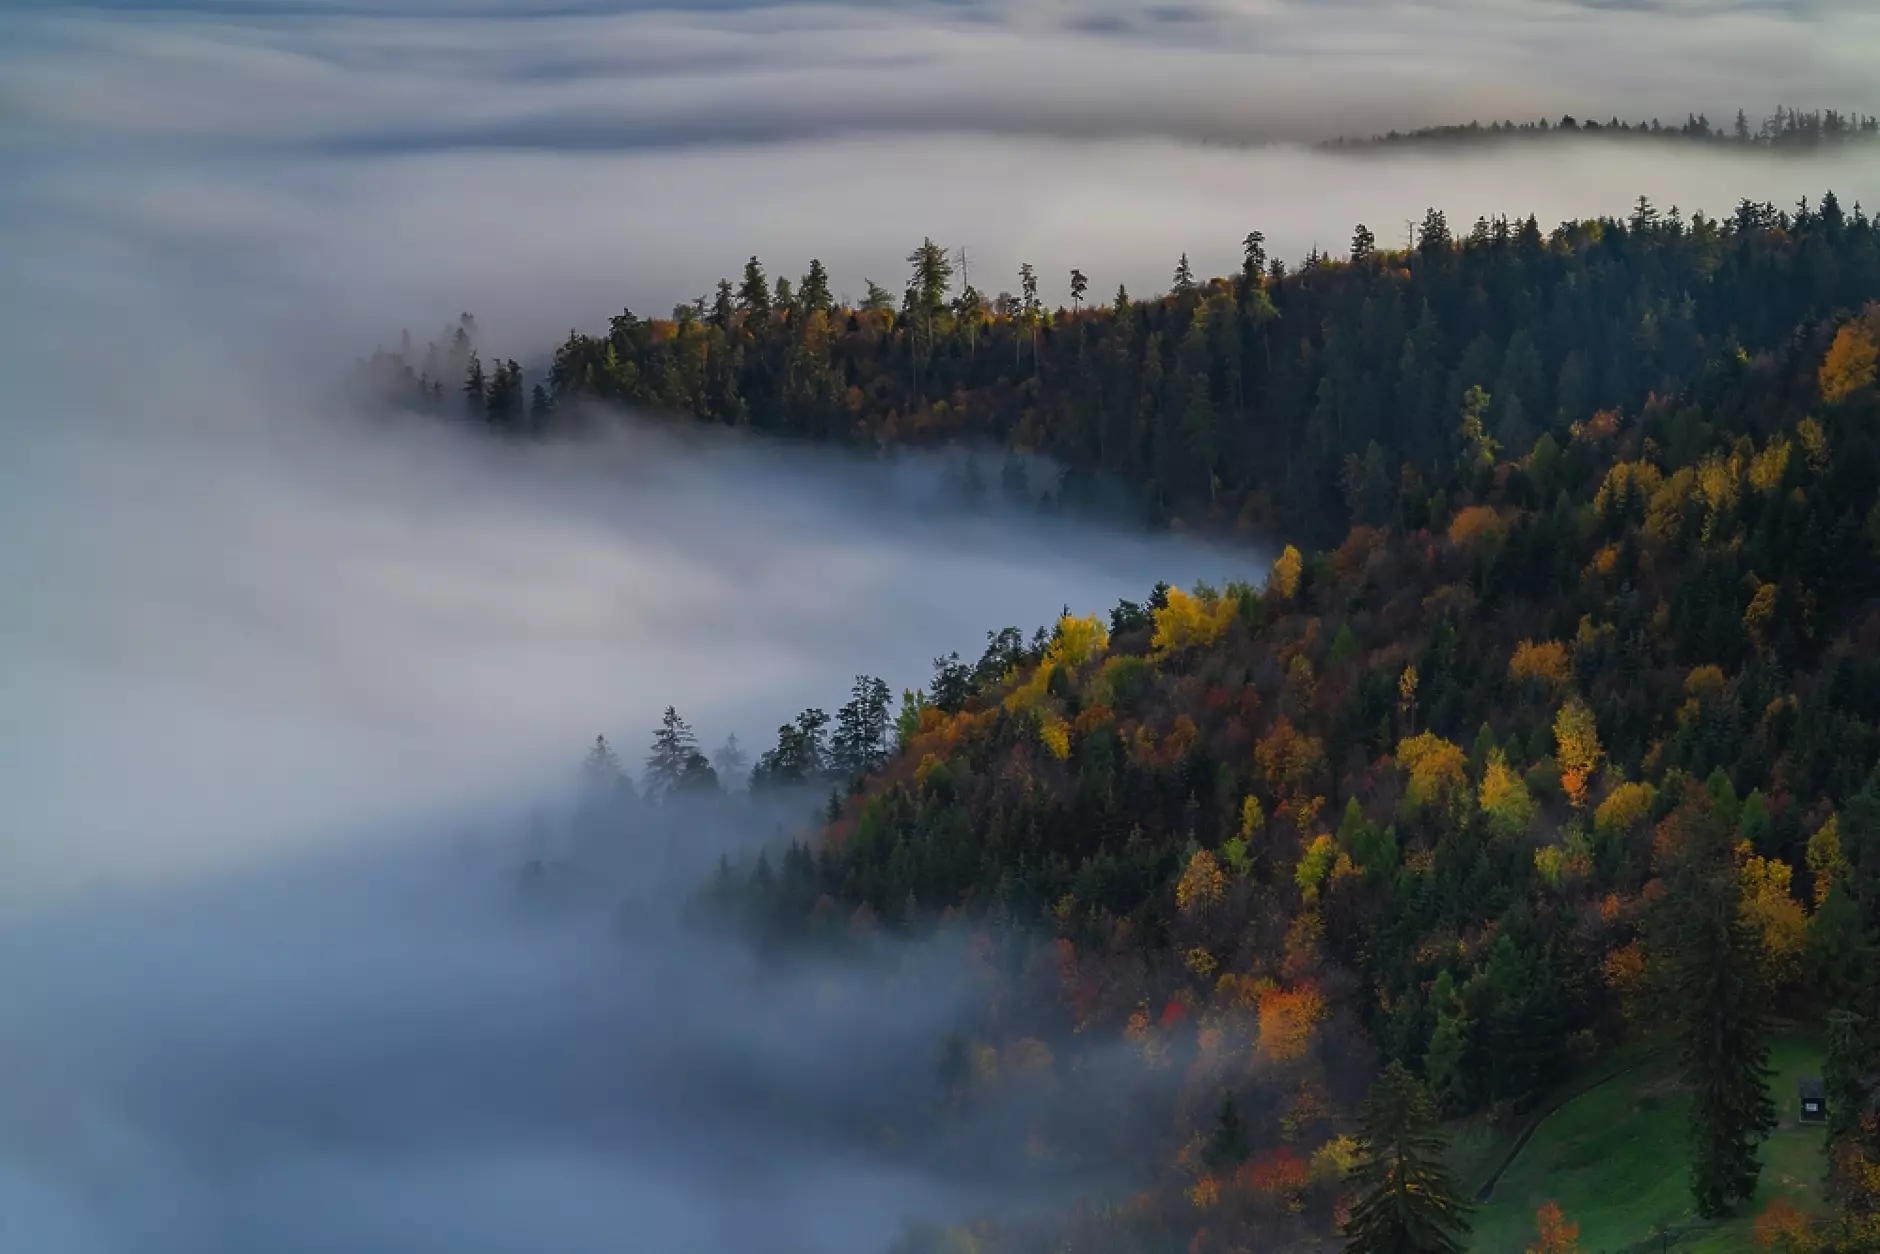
(282, 680)
(281, 677)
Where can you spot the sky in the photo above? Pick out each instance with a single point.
(264, 658)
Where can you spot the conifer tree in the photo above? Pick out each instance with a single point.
(812, 294)
(927, 289)
(475, 387)
(729, 761)
(1184, 281)
(1228, 1145)
(1708, 956)
(1410, 1202)
(754, 292)
(600, 772)
(674, 747)
(860, 742)
(1253, 260)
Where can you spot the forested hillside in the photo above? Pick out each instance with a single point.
(1785, 130)
(1569, 741)
(1284, 402)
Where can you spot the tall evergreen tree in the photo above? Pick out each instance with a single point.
(729, 761)
(674, 747)
(1228, 1143)
(1410, 1203)
(1711, 966)
(860, 742)
(600, 772)
(754, 292)
(1184, 282)
(927, 288)
(812, 294)
(475, 388)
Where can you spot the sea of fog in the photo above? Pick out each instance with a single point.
(278, 678)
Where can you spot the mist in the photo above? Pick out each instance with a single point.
(294, 697)
(282, 678)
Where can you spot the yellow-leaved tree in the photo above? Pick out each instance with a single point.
(1078, 640)
(1287, 568)
(1826, 862)
(1628, 806)
(1504, 798)
(1545, 664)
(1202, 884)
(1439, 770)
(1772, 910)
(1849, 365)
(1190, 622)
(1576, 741)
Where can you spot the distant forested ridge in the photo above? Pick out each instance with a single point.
(1785, 130)
(1565, 741)
(1281, 400)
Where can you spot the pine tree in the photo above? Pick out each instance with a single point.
(723, 306)
(878, 299)
(1228, 1145)
(600, 772)
(1031, 311)
(927, 289)
(754, 292)
(730, 761)
(1363, 245)
(674, 747)
(799, 756)
(696, 775)
(1411, 1203)
(1184, 281)
(475, 387)
(503, 403)
(1709, 959)
(1253, 260)
(812, 294)
(860, 743)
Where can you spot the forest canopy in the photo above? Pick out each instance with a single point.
(1558, 734)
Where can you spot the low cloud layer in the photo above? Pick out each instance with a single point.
(259, 648)
(258, 620)
(406, 76)
(390, 162)
(397, 1052)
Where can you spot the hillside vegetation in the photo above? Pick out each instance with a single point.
(1567, 741)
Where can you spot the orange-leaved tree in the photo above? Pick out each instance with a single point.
(1556, 1234)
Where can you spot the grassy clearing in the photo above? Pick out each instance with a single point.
(1616, 1162)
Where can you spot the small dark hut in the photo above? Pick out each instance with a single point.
(1814, 1101)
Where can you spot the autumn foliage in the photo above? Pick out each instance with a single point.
(1849, 365)
(1555, 1234)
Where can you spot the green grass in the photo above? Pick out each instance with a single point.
(1615, 1160)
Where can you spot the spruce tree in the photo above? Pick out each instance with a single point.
(1411, 1203)
(860, 743)
(1228, 1145)
(1710, 962)
(674, 748)
(754, 292)
(812, 294)
(600, 772)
